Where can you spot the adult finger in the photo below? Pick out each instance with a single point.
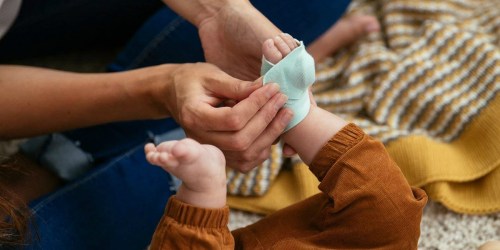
(234, 118)
(254, 154)
(230, 103)
(243, 138)
(227, 87)
(273, 131)
(245, 166)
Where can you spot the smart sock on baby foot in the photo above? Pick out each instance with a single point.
(294, 74)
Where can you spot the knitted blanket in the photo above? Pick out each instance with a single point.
(426, 86)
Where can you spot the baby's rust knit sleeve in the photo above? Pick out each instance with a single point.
(187, 227)
(365, 203)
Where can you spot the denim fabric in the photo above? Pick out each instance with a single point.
(109, 140)
(58, 26)
(119, 202)
(156, 41)
(115, 206)
(305, 20)
(165, 38)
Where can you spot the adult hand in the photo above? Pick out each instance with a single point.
(244, 131)
(232, 33)
(232, 38)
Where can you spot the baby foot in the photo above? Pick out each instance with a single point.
(344, 32)
(294, 74)
(201, 168)
(490, 245)
(277, 48)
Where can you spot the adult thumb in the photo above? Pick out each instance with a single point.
(235, 89)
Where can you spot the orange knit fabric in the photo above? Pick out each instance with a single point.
(366, 203)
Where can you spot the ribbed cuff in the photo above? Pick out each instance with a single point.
(187, 214)
(338, 145)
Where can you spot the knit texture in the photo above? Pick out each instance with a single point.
(440, 228)
(294, 74)
(181, 219)
(427, 87)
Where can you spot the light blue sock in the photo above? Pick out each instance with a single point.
(294, 74)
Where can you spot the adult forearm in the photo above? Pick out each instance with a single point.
(36, 101)
(195, 11)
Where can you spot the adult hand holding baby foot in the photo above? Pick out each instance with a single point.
(232, 34)
(245, 131)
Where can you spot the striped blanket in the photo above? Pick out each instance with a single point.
(426, 86)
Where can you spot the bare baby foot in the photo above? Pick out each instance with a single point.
(344, 32)
(200, 167)
(275, 49)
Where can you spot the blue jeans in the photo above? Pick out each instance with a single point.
(57, 26)
(117, 205)
(167, 37)
(119, 202)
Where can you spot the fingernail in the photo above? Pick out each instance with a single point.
(280, 101)
(287, 117)
(273, 88)
(256, 82)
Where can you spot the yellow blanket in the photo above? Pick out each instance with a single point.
(427, 86)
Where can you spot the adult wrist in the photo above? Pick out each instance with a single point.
(196, 11)
(150, 87)
(211, 8)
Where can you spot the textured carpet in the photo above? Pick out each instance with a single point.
(441, 229)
